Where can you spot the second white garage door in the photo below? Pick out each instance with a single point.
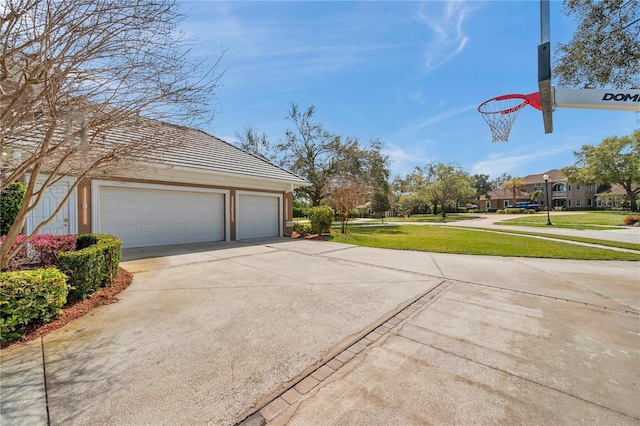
(153, 217)
(258, 216)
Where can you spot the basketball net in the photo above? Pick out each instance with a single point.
(502, 111)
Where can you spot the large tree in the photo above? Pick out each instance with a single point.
(258, 144)
(436, 184)
(448, 184)
(313, 152)
(605, 49)
(482, 185)
(71, 71)
(615, 161)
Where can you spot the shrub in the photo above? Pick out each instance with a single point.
(93, 265)
(302, 229)
(10, 202)
(28, 297)
(321, 219)
(42, 251)
(515, 211)
(631, 220)
(500, 211)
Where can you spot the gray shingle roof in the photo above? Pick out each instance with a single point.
(193, 148)
(161, 143)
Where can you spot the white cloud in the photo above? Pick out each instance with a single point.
(495, 164)
(445, 21)
(436, 119)
(403, 161)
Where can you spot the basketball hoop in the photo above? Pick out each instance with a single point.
(500, 113)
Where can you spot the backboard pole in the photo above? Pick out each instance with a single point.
(544, 67)
(545, 27)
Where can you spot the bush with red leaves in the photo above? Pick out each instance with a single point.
(41, 252)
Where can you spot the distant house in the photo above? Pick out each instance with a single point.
(193, 188)
(561, 194)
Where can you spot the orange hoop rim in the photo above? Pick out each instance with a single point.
(532, 99)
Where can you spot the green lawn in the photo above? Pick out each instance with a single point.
(586, 220)
(442, 239)
(618, 244)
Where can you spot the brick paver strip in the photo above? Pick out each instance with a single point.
(274, 408)
(306, 384)
(382, 329)
(322, 373)
(357, 348)
(373, 336)
(291, 396)
(335, 364)
(402, 315)
(394, 321)
(345, 356)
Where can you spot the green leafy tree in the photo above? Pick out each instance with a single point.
(380, 203)
(616, 160)
(411, 191)
(605, 49)
(448, 184)
(482, 185)
(11, 199)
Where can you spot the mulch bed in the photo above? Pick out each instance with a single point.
(103, 296)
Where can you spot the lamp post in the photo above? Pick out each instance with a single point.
(546, 191)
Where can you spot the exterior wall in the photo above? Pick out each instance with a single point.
(84, 207)
(288, 213)
(563, 194)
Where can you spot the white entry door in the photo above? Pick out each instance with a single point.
(64, 223)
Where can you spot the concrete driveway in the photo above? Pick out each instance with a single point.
(307, 332)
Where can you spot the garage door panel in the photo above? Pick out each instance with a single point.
(258, 216)
(148, 217)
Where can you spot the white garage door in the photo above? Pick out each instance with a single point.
(153, 217)
(257, 216)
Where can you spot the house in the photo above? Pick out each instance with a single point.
(192, 188)
(561, 194)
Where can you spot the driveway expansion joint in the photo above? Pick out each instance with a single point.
(290, 396)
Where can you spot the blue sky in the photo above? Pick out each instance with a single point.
(411, 74)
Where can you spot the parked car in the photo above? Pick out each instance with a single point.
(525, 205)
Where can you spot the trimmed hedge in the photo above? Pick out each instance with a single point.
(94, 264)
(28, 297)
